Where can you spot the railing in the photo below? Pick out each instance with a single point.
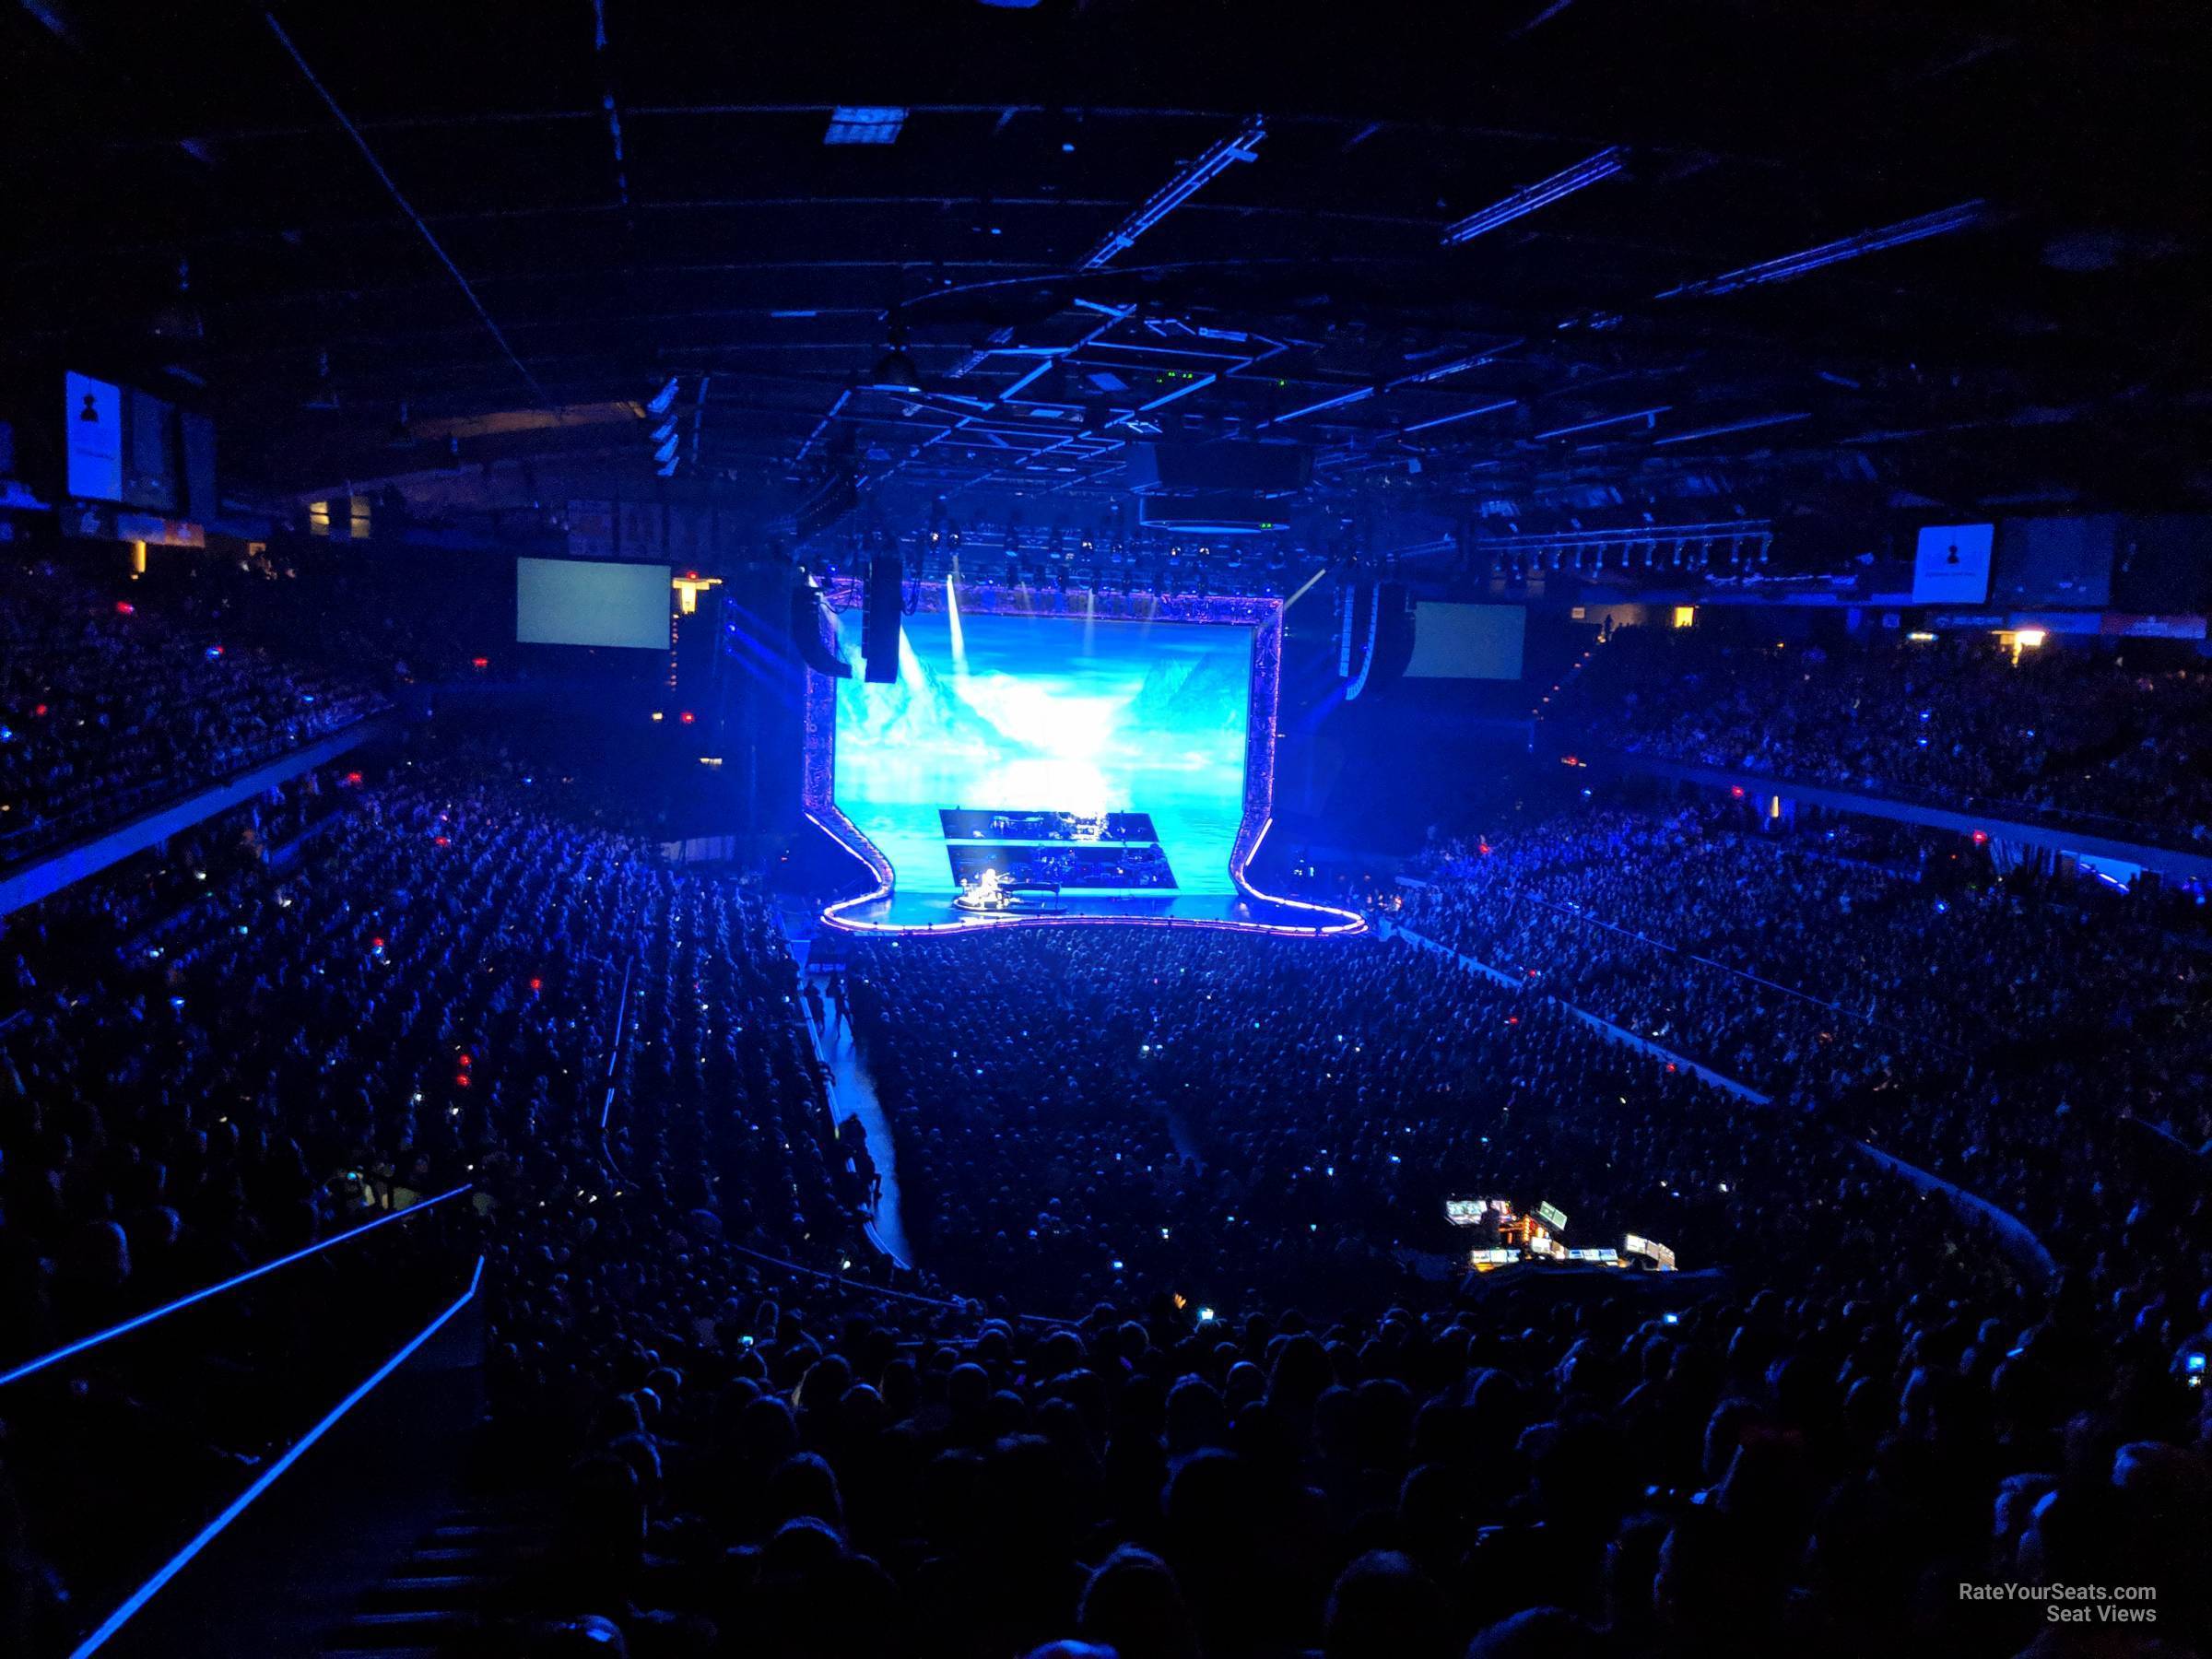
(112, 806)
(82, 1343)
(125, 1446)
(130, 1605)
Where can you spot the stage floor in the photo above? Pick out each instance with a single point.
(934, 913)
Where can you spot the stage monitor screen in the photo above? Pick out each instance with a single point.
(1051, 719)
(1466, 642)
(93, 413)
(580, 602)
(1951, 564)
(149, 472)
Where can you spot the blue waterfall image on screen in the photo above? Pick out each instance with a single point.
(1061, 714)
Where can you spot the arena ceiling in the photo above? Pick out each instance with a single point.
(377, 237)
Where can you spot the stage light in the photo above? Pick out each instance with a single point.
(1647, 415)
(1584, 173)
(1488, 409)
(1733, 426)
(894, 372)
(1356, 394)
(865, 124)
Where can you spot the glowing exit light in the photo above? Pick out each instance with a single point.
(689, 587)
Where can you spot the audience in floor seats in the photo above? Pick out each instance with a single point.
(2070, 730)
(110, 709)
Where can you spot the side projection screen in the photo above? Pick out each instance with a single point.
(579, 601)
(1466, 642)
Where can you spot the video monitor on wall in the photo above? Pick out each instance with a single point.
(92, 416)
(1951, 564)
(1466, 642)
(588, 602)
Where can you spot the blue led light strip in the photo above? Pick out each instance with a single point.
(82, 1343)
(237, 1506)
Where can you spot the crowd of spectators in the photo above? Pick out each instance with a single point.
(1190, 1365)
(109, 709)
(2073, 733)
(2024, 1037)
(1246, 1415)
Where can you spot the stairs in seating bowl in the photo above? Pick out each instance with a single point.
(452, 1591)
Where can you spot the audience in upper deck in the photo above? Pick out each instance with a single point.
(2074, 733)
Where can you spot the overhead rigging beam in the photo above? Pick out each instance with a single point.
(405, 206)
(1790, 266)
(1218, 158)
(1542, 193)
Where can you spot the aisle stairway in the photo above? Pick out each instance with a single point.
(452, 1591)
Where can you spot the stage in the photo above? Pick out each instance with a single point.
(1110, 759)
(934, 913)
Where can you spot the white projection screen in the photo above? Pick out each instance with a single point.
(1466, 642)
(583, 602)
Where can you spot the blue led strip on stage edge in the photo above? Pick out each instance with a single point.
(82, 1343)
(237, 1506)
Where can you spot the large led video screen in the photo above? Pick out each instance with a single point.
(585, 602)
(1023, 719)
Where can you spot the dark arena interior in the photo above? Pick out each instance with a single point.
(1105, 830)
